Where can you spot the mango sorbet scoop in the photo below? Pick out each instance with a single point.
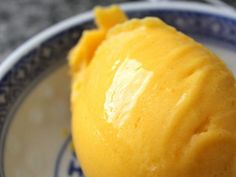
(149, 101)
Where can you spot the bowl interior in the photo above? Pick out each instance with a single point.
(38, 141)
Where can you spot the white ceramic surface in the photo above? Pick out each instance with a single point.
(35, 134)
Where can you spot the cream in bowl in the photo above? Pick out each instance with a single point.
(40, 65)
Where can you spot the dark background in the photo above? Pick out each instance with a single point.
(22, 19)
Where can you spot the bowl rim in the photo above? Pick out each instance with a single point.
(38, 39)
(50, 32)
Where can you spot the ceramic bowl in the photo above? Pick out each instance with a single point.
(35, 85)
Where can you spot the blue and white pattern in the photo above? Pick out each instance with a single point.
(197, 23)
(40, 61)
(31, 68)
(72, 166)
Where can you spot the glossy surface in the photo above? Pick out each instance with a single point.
(152, 102)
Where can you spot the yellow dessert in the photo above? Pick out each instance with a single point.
(149, 101)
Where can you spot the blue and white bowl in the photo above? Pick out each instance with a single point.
(34, 85)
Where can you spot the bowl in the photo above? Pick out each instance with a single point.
(35, 85)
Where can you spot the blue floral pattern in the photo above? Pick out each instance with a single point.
(52, 53)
